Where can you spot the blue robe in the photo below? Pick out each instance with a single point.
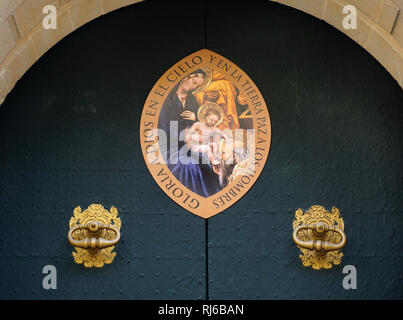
(197, 175)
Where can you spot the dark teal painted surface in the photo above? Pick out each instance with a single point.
(336, 141)
(69, 137)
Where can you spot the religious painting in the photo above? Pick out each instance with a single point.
(205, 133)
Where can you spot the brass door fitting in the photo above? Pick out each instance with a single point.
(320, 235)
(94, 233)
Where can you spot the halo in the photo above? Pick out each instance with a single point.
(207, 80)
(201, 113)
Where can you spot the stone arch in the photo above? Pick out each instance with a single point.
(23, 40)
(379, 27)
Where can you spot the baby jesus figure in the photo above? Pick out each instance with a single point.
(204, 136)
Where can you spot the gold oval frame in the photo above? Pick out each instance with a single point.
(204, 207)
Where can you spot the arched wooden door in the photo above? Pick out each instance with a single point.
(69, 136)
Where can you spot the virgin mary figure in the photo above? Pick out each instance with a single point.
(178, 114)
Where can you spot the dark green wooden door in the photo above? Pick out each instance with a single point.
(69, 136)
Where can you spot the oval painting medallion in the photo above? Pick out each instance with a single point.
(205, 133)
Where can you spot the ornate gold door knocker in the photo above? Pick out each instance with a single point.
(94, 233)
(320, 235)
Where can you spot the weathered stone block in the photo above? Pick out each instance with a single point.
(387, 15)
(388, 53)
(334, 15)
(43, 39)
(83, 11)
(29, 14)
(7, 39)
(3, 90)
(369, 7)
(398, 30)
(6, 7)
(108, 5)
(18, 62)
